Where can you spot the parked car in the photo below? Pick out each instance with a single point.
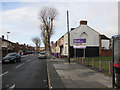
(25, 53)
(11, 57)
(42, 55)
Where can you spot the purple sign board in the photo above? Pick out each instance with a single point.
(79, 40)
(79, 43)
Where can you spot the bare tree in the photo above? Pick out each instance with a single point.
(37, 42)
(47, 17)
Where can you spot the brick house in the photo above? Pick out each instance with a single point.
(7, 46)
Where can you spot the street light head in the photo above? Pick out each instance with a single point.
(8, 32)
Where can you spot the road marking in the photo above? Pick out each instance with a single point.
(20, 65)
(13, 86)
(28, 60)
(44, 80)
(3, 74)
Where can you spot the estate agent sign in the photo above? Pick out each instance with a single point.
(79, 43)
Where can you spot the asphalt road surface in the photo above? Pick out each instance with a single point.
(30, 73)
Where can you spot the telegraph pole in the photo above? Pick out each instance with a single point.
(68, 36)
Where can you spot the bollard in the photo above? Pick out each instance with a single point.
(110, 69)
(92, 63)
(100, 65)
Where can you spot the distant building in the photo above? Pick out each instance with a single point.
(8, 47)
(42, 49)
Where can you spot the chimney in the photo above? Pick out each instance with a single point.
(83, 22)
(2, 36)
(72, 29)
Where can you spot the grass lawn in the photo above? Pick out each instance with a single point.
(105, 65)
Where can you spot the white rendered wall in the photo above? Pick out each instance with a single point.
(92, 36)
(65, 45)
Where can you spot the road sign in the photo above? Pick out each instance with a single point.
(79, 43)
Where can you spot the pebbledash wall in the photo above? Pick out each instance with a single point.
(92, 40)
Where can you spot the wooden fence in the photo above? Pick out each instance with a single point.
(99, 64)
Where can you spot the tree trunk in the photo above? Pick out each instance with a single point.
(48, 50)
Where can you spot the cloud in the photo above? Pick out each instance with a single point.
(100, 16)
(23, 22)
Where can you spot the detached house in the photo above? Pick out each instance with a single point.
(95, 42)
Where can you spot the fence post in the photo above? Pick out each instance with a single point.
(78, 59)
(100, 65)
(110, 69)
(82, 60)
(87, 62)
(92, 63)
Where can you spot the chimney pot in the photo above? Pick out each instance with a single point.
(83, 22)
(2, 36)
(72, 29)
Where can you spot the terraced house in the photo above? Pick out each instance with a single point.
(7, 46)
(96, 43)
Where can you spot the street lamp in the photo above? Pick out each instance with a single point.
(8, 35)
(7, 43)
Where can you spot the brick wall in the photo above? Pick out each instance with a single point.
(106, 52)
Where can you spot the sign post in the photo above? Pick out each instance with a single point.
(74, 52)
(80, 44)
(84, 52)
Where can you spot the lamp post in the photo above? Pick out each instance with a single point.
(8, 35)
(8, 42)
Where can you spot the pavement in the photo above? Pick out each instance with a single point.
(64, 75)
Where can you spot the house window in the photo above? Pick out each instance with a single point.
(84, 36)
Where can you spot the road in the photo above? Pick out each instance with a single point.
(30, 73)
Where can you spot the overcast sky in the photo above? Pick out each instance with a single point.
(21, 19)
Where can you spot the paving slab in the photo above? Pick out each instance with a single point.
(75, 75)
